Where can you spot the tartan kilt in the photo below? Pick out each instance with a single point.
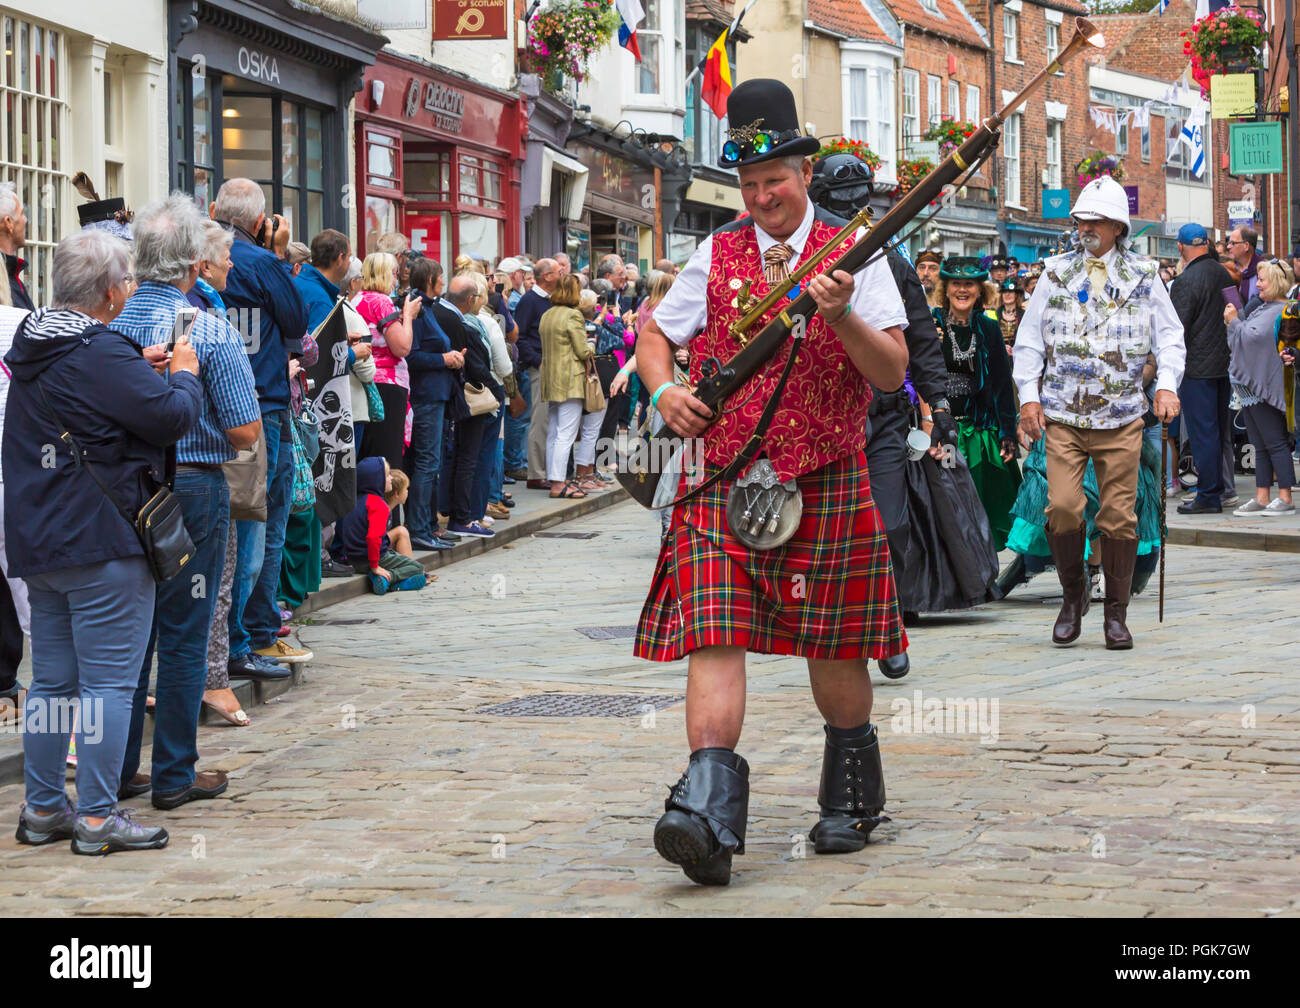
(827, 593)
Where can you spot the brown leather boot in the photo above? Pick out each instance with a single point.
(1067, 554)
(1117, 559)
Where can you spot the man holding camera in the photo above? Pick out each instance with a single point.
(272, 320)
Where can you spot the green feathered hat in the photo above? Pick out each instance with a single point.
(963, 268)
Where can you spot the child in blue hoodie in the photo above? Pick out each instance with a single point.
(363, 538)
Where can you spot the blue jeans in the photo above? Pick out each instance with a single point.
(426, 454)
(446, 478)
(497, 486)
(487, 464)
(254, 614)
(90, 628)
(182, 621)
(1205, 412)
(516, 443)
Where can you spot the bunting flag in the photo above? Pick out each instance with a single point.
(1194, 138)
(632, 14)
(717, 77)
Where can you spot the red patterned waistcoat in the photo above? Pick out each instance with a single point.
(823, 411)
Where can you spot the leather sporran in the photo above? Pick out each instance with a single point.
(764, 512)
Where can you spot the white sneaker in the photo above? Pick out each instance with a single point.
(1277, 506)
(1251, 507)
(487, 521)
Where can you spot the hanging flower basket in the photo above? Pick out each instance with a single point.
(846, 146)
(911, 172)
(563, 38)
(1097, 164)
(1227, 40)
(950, 134)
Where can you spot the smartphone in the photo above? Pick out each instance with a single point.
(611, 298)
(500, 288)
(185, 319)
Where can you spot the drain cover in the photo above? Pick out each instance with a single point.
(565, 535)
(583, 705)
(608, 632)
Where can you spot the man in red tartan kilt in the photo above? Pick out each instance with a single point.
(826, 594)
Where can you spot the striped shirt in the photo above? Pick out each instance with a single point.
(229, 394)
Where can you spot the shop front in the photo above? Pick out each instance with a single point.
(711, 200)
(618, 214)
(1031, 242)
(554, 184)
(261, 91)
(438, 159)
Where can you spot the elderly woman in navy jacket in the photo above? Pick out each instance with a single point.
(434, 384)
(91, 591)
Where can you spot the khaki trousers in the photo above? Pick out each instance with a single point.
(1116, 458)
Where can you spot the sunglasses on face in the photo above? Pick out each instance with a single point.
(734, 151)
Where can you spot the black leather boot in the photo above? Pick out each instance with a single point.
(704, 817)
(1118, 557)
(852, 794)
(895, 666)
(1067, 554)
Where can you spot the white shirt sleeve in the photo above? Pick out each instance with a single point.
(681, 314)
(875, 296)
(1030, 352)
(1167, 340)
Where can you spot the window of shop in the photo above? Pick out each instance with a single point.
(33, 124)
(649, 38)
(1010, 32)
(1053, 155)
(1011, 157)
(933, 101)
(972, 104)
(268, 137)
(954, 101)
(445, 190)
(911, 101)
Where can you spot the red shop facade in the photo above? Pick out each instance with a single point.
(438, 159)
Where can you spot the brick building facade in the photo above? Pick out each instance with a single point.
(1044, 139)
(945, 60)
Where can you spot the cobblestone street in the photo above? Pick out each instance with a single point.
(1161, 781)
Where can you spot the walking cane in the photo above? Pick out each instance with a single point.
(1164, 507)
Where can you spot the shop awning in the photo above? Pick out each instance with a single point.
(575, 191)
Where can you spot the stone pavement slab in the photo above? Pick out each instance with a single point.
(1022, 780)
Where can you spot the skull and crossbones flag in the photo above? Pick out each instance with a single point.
(335, 469)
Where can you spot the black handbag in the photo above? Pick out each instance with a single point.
(159, 524)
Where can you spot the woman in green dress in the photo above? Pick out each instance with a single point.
(980, 390)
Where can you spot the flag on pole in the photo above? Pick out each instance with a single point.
(1160, 9)
(703, 64)
(632, 14)
(717, 77)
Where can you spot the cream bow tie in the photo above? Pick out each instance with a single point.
(1097, 273)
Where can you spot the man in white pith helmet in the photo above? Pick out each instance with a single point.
(1097, 312)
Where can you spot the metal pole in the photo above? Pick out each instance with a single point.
(1293, 119)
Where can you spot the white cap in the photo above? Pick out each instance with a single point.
(509, 264)
(1102, 199)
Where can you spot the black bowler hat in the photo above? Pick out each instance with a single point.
(764, 125)
(999, 262)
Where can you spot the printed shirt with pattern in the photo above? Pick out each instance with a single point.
(229, 392)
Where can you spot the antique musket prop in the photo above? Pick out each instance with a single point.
(719, 381)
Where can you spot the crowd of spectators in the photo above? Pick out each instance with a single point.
(175, 358)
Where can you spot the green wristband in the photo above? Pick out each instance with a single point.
(654, 399)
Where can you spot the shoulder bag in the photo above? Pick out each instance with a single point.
(593, 400)
(246, 475)
(159, 524)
